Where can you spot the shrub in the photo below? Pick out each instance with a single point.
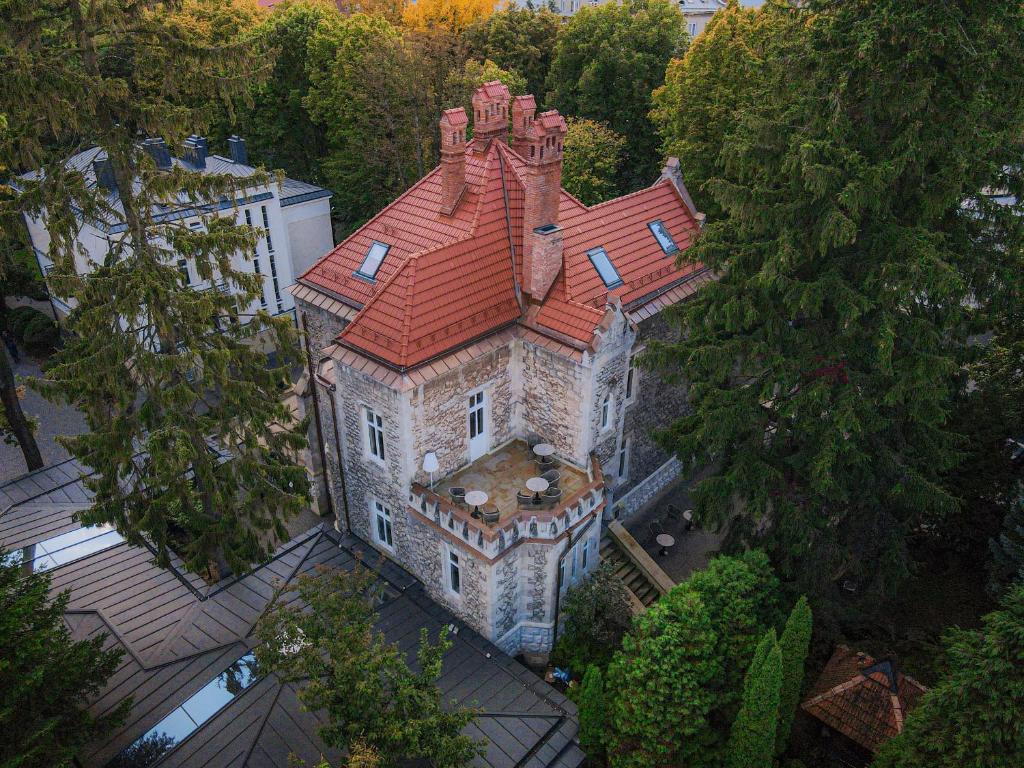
(19, 317)
(597, 615)
(41, 334)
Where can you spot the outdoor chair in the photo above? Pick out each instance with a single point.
(674, 514)
(458, 494)
(491, 516)
(523, 499)
(552, 476)
(657, 528)
(552, 495)
(532, 439)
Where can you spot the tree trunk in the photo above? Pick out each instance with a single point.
(15, 418)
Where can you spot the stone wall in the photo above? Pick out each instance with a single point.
(609, 379)
(552, 400)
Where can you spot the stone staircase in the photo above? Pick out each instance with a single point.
(643, 578)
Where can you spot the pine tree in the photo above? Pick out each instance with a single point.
(752, 740)
(326, 641)
(46, 678)
(821, 366)
(593, 715)
(793, 644)
(1007, 549)
(187, 427)
(972, 717)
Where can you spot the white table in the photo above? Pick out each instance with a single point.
(543, 449)
(664, 541)
(476, 499)
(538, 485)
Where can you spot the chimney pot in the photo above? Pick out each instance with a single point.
(543, 136)
(453, 126)
(490, 110)
(239, 154)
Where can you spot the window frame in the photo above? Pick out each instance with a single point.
(373, 445)
(607, 407)
(672, 240)
(623, 457)
(372, 276)
(599, 252)
(453, 572)
(184, 269)
(632, 378)
(383, 518)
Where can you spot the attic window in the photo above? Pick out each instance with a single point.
(661, 234)
(374, 258)
(604, 267)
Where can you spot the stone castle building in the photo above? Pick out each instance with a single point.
(483, 311)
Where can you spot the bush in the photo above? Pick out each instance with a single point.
(41, 334)
(597, 615)
(19, 317)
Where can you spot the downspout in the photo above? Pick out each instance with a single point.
(332, 388)
(316, 416)
(558, 571)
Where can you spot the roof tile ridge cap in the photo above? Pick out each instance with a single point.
(372, 219)
(491, 157)
(835, 690)
(384, 286)
(513, 155)
(679, 195)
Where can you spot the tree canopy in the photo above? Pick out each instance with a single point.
(519, 39)
(592, 160)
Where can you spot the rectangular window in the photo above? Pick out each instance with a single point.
(574, 563)
(185, 273)
(476, 415)
(372, 261)
(606, 412)
(383, 527)
(561, 573)
(374, 435)
(266, 227)
(661, 234)
(586, 551)
(623, 468)
(256, 263)
(631, 379)
(273, 259)
(454, 574)
(605, 269)
(693, 29)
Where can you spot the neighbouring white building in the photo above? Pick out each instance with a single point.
(294, 216)
(696, 12)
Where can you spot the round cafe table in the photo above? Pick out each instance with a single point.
(538, 485)
(476, 499)
(664, 541)
(543, 450)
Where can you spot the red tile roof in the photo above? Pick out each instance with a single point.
(448, 280)
(865, 700)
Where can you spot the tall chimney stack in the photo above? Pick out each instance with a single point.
(523, 110)
(490, 111)
(540, 144)
(453, 158)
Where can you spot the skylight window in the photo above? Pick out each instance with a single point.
(661, 234)
(604, 267)
(190, 716)
(374, 258)
(65, 548)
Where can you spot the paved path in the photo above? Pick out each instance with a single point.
(54, 419)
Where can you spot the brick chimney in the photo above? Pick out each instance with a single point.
(490, 111)
(540, 144)
(523, 110)
(453, 158)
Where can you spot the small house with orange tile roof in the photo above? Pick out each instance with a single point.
(864, 701)
(484, 311)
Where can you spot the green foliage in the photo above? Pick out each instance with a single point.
(972, 718)
(593, 714)
(793, 644)
(592, 160)
(518, 39)
(706, 89)
(41, 334)
(19, 318)
(822, 365)
(369, 93)
(596, 615)
(1007, 549)
(46, 678)
(176, 392)
(660, 685)
(371, 697)
(608, 60)
(752, 739)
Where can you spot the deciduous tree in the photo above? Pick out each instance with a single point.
(46, 678)
(973, 716)
(596, 616)
(592, 160)
(608, 60)
(454, 16)
(520, 39)
(822, 364)
(752, 739)
(371, 697)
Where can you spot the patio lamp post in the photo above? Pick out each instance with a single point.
(430, 466)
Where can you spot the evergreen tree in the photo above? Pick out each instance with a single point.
(519, 39)
(821, 366)
(1007, 549)
(596, 615)
(592, 160)
(608, 60)
(187, 427)
(972, 718)
(46, 678)
(593, 714)
(793, 644)
(752, 739)
(659, 686)
(327, 641)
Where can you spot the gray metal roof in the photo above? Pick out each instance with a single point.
(178, 634)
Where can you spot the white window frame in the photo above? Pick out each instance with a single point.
(452, 565)
(184, 269)
(607, 409)
(693, 29)
(383, 518)
(373, 436)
